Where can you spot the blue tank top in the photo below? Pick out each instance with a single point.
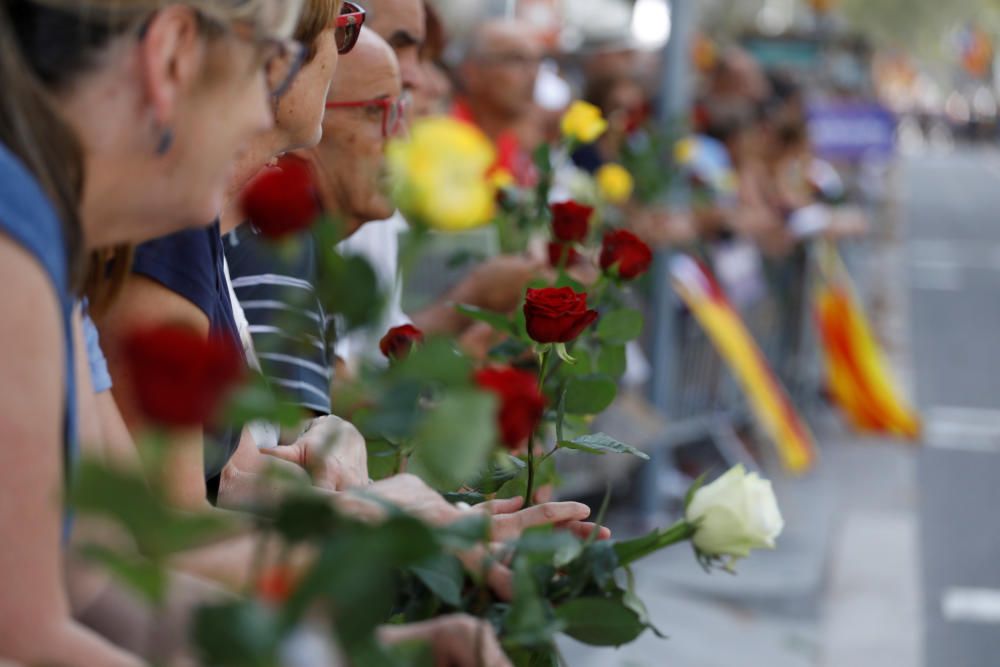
(28, 218)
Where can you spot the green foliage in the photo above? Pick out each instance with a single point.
(600, 621)
(590, 394)
(240, 633)
(498, 321)
(443, 575)
(599, 443)
(620, 326)
(127, 499)
(454, 439)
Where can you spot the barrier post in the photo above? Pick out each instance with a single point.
(674, 106)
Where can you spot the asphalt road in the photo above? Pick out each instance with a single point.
(951, 208)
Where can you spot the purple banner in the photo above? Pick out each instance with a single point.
(852, 131)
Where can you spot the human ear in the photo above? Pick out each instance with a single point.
(172, 56)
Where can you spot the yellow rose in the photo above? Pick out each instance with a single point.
(440, 175)
(684, 151)
(583, 123)
(614, 183)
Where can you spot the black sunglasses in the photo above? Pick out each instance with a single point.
(349, 23)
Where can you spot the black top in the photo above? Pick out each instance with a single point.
(190, 263)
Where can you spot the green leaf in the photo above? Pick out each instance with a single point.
(465, 533)
(612, 361)
(590, 394)
(260, 400)
(236, 634)
(125, 498)
(620, 326)
(444, 576)
(600, 621)
(498, 321)
(501, 469)
(467, 497)
(305, 517)
(382, 458)
(600, 443)
(143, 576)
(455, 439)
(437, 360)
(530, 621)
(348, 287)
(584, 364)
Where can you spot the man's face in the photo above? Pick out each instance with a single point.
(350, 161)
(402, 23)
(500, 73)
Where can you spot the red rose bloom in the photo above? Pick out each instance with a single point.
(521, 402)
(281, 200)
(398, 342)
(181, 378)
(556, 314)
(570, 221)
(556, 251)
(626, 251)
(275, 585)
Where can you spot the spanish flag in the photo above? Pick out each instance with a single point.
(702, 294)
(858, 377)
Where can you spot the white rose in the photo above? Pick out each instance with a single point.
(734, 514)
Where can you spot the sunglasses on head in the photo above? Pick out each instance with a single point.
(349, 23)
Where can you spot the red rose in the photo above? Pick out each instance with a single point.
(556, 315)
(180, 377)
(556, 251)
(521, 402)
(398, 342)
(570, 221)
(281, 200)
(626, 251)
(275, 585)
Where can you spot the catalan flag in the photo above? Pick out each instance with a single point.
(702, 294)
(858, 377)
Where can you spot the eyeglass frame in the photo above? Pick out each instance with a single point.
(355, 16)
(401, 104)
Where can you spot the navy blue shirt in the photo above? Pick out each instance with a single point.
(28, 218)
(190, 263)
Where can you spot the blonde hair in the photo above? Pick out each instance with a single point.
(44, 46)
(317, 16)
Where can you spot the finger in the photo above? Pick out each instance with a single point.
(509, 526)
(290, 454)
(501, 581)
(490, 653)
(584, 529)
(507, 506)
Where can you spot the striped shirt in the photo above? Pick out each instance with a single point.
(290, 330)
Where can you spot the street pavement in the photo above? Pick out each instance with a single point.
(891, 554)
(953, 244)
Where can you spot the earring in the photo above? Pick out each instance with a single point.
(166, 142)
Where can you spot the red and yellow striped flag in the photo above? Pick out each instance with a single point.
(704, 297)
(858, 377)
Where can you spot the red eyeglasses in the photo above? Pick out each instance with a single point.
(393, 111)
(349, 23)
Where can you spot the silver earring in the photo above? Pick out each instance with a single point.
(166, 142)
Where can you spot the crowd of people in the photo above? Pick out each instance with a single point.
(129, 129)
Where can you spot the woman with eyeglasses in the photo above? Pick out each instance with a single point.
(181, 279)
(118, 122)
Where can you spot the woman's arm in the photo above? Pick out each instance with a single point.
(35, 623)
(144, 302)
